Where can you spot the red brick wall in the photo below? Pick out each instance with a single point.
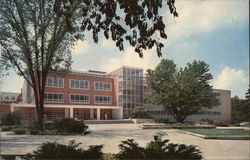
(4, 107)
(91, 92)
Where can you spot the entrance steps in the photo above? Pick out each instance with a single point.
(124, 121)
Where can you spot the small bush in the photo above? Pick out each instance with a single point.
(72, 151)
(157, 149)
(49, 125)
(33, 124)
(220, 124)
(140, 113)
(69, 125)
(161, 120)
(205, 121)
(7, 128)
(10, 118)
(20, 131)
(34, 132)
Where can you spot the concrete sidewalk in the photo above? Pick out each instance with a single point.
(111, 136)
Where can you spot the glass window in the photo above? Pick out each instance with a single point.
(105, 86)
(79, 98)
(53, 97)
(54, 82)
(103, 100)
(79, 84)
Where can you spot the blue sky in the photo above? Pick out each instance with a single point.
(216, 31)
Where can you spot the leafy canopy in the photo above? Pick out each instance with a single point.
(182, 92)
(136, 21)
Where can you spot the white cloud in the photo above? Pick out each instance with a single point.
(184, 52)
(11, 83)
(232, 79)
(131, 58)
(108, 43)
(81, 47)
(205, 16)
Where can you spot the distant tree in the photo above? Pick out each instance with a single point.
(140, 113)
(182, 92)
(240, 109)
(36, 36)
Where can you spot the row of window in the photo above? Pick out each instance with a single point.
(77, 84)
(77, 98)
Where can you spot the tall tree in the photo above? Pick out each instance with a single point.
(35, 42)
(182, 92)
(36, 35)
(240, 109)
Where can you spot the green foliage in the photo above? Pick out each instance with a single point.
(7, 128)
(10, 118)
(59, 126)
(20, 131)
(136, 22)
(240, 110)
(130, 150)
(53, 150)
(220, 124)
(206, 120)
(140, 113)
(69, 125)
(161, 120)
(182, 92)
(34, 131)
(157, 149)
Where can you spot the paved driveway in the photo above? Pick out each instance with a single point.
(112, 134)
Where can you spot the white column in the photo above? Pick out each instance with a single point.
(98, 114)
(71, 112)
(91, 113)
(67, 112)
(121, 113)
(11, 108)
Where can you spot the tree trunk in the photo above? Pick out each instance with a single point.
(40, 119)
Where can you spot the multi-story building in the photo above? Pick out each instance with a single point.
(220, 112)
(100, 95)
(82, 95)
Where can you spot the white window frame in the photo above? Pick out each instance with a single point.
(53, 84)
(53, 101)
(103, 83)
(79, 95)
(111, 102)
(79, 84)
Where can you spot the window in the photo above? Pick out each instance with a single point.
(79, 84)
(53, 97)
(79, 98)
(105, 86)
(54, 82)
(103, 100)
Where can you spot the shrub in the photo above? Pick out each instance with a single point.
(53, 150)
(34, 131)
(20, 130)
(10, 118)
(161, 120)
(220, 124)
(140, 113)
(7, 128)
(157, 149)
(69, 125)
(205, 121)
(49, 125)
(33, 124)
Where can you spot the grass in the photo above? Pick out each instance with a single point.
(220, 132)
